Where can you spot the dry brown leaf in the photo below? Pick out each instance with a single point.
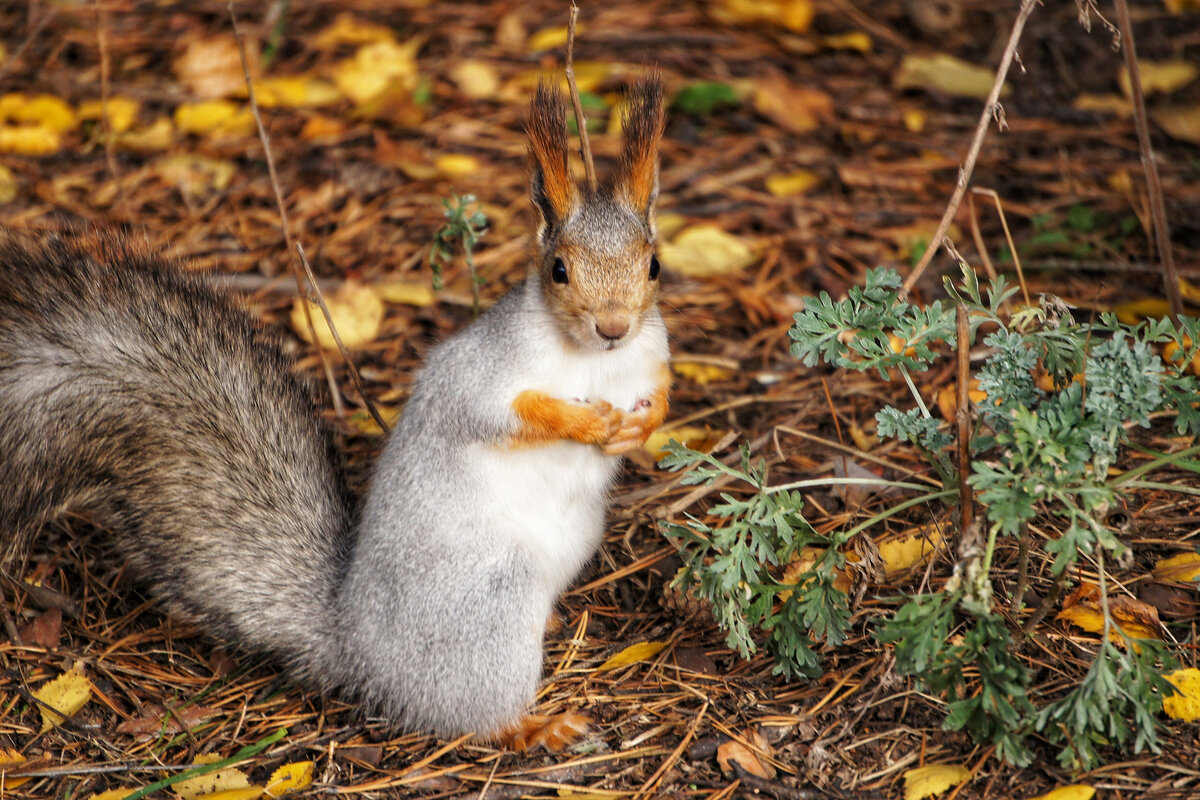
(356, 310)
(1137, 619)
(44, 630)
(157, 720)
(946, 74)
(1160, 77)
(212, 67)
(798, 109)
(734, 751)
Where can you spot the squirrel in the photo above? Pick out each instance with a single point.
(139, 397)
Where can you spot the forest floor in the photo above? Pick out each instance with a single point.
(823, 153)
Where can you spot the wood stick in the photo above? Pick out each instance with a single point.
(585, 147)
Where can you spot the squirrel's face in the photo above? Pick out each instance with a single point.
(595, 261)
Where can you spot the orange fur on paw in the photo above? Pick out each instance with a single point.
(548, 419)
(551, 732)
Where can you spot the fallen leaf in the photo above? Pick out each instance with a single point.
(946, 74)
(159, 135)
(29, 140)
(10, 759)
(947, 399)
(862, 440)
(44, 630)
(408, 293)
(798, 109)
(241, 793)
(1181, 122)
(113, 794)
(1138, 620)
(8, 185)
(734, 751)
(551, 38)
(66, 694)
(794, 15)
(933, 779)
(1076, 791)
(218, 781)
(704, 250)
(456, 165)
(157, 720)
(356, 310)
(477, 80)
(1185, 705)
(363, 422)
(792, 183)
(1103, 104)
(348, 29)
(1174, 6)
(696, 438)
(290, 778)
(802, 563)
(914, 120)
(643, 651)
(591, 794)
(44, 110)
(1184, 568)
(858, 41)
(701, 373)
(121, 112)
(378, 67)
(295, 91)
(1135, 311)
(909, 549)
(195, 175)
(223, 118)
(1159, 76)
(212, 67)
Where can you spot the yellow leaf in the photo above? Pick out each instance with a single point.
(794, 15)
(946, 74)
(40, 109)
(1174, 6)
(1184, 567)
(669, 223)
(862, 440)
(356, 310)
(66, 694)
(157, 136)
(8, 760)
(8, 185)
(1076, 791)
(363, 422)
(29, 140)
(240, 793)
(703, 250)
(1181, 122)
(551, 38)
(120, 112)
(910, 549)
(855, 40)
(216, 117)
(195, 175)
(933, 779)
(295, 91)
(793, 183)
(377, 67)
(1104, 104)
(1135, 311)
(456, 165)
(643, 651)
(1160, 76)
(914, 120)
(477, 80)
(702, 374)
(694, 437)
(1184, 706)
(408, 293)
(290, 778)
(320, 127)
(347, 29)
(219, 781)
(799, 109)
(113, 794)
(591, 794)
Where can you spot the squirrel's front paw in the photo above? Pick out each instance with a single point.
(551, 732)
(632, 431)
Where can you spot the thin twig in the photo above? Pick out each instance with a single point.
(353, 370)
(991, 110)
(106, 130)
(34, 29)
(283, 217)
(1012, 245)
(585, 147)
(1158, 210)
(963, 416)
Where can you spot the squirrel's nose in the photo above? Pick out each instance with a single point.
(611, 328)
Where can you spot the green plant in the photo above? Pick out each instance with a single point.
(464, 225)
(1034, 453)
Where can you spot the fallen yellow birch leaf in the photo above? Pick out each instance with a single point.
(120, 112)
(39, 109)
(792, 183)
(932, 779)
(944, 73)
(8, 185)
(794, 15)
(216, 117)
(376, 68)
(295, 91)
(1076, 791)
(113, 794)
(702, 374)
(551, 39)
(1184, 568)
(240, 793)
(207, 784)
(356, 310)
(591, 794)
(348, 29)
(858, 41)
(66, 694)
(158, 135)
(1181, 122)
(29, 140)
(704, 250)
(1159, 76)
(10, 759)
(456, 165)
(691, 436)
(408, 293)
(643, 651)
(909, 549)
(1103, 104)
(195, 175)
(1184, 706)
(290, 778)
(477, 80)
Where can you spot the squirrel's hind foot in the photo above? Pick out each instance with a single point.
(552, 732)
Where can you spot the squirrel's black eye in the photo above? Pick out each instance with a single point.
(559, 271)
(654, 268)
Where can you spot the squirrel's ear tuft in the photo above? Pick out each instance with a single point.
(551, 186)
(636, 178)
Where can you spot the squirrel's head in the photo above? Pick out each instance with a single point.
(595, 262)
